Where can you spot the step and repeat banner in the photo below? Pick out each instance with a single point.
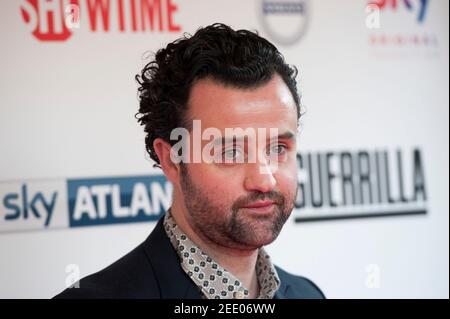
(77, 190)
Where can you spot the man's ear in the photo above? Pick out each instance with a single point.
(170, 169)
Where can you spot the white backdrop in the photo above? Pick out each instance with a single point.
(67, 111)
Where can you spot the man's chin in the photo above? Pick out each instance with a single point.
(257, 241)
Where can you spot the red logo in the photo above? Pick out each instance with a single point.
(56, 20)
(47, 19)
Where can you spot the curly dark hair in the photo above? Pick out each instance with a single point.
(241, 59)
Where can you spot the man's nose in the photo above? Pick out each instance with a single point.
(259, 177)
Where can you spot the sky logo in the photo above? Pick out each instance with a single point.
(30, 205)
(117, 200)
(21, 205)
(59, 204)
(419, 6)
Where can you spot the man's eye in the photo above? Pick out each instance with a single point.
(278, 149)
(231, 153)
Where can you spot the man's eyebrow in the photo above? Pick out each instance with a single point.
(288, 135)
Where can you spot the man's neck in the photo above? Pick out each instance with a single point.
(241, 263)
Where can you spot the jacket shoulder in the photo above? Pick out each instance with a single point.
(129, 277)
(298, 287)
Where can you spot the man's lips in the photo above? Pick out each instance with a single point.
(260, 204)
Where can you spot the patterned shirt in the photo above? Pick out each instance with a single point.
(214, 281)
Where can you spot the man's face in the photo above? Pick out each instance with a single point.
(216, 194)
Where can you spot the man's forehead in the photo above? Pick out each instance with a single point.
(276, 118)
(269, 105)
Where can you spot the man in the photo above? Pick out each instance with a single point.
(226, 206)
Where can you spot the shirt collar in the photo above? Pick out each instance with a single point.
(214, 281)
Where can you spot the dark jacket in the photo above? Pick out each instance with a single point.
(152, 270)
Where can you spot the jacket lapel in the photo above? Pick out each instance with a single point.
(282, 291)
(173, 282)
